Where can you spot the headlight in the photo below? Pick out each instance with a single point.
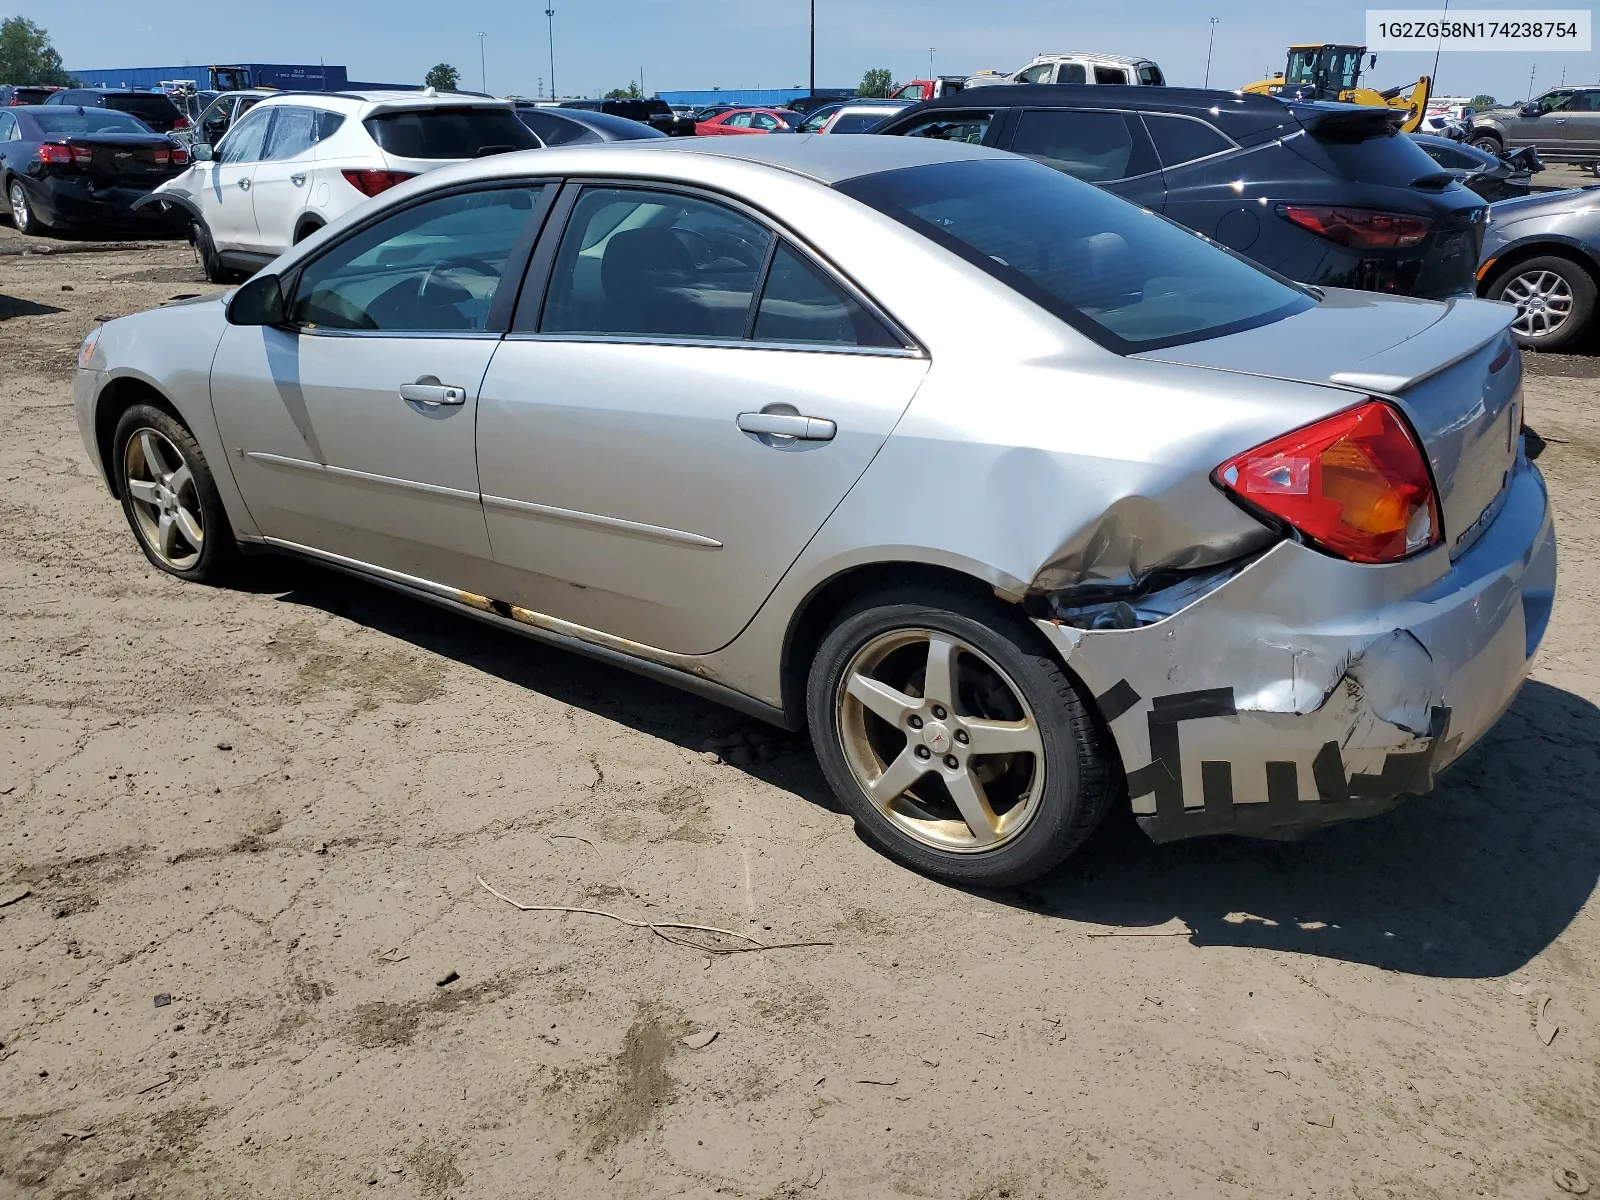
(86, 351)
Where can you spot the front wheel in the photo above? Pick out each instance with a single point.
(954, 739)
(1488, 143)
(169, 497)
(1555, 300)
(206, 247)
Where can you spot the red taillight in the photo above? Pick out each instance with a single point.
(180, 156)
(370, 183)
(163, 155)
(82, 154)
(55, 152)
(1356, 484)
(181, 123)
(1359, 228)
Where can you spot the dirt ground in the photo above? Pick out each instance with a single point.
(273, 805)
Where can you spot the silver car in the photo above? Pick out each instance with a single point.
(1025, 500)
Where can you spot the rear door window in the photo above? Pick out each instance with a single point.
(448, 133)
(1091, 145)
(292, 133)
(800, 303)
(1103, 74)
(969, 127)
(1180, 140)
(640, 263)
(1072, 72)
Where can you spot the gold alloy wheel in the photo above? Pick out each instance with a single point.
(940, 740)
(166, 505)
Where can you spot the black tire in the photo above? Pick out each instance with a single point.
(218, 557)
(1489, 143)
(306, 231)
(206, 248)
(1078, 784)
(23, 218)
(1580, 319)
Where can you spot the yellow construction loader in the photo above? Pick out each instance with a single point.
(1332, 72)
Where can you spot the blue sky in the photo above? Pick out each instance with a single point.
(602, 44)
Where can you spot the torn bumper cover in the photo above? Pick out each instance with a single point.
(1305, 690)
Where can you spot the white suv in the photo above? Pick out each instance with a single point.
(301, 160)
(1079, 67)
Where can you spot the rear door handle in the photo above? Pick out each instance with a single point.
(432, 394)
(244, 184)
(803, 429)
(298, 178)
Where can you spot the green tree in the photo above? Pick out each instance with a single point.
(26, 55)
(443, 76)
(1483, 102)
(877, 82)
(631, 92)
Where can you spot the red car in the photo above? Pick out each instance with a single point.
(749, 120)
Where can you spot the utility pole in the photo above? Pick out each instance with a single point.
(483, 68)
(1531, 73)
(930, 63)
(813, 49)
(550, 16)
(1210, 44)
(1433, 80)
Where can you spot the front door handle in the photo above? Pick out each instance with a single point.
(244, 184)
(298, 179)
(431, 392)
(802, 429)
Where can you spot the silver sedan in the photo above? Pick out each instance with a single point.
(1026, 501)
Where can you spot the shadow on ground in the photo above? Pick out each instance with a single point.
(13, 306)
(1473, 880)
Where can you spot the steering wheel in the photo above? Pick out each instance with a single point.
(476, 265)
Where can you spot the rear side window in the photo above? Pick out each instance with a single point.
(328, 124)
(1123, 276)
(639, 263)
(968, 127)
(443, 133)
(1150, 74)
(1089, 145)
(1110, 75)
(801, 304)
(1180, 140)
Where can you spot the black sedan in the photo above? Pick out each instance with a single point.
(1490, 175)
(80, 168)
(1326, 194)
(575, 126)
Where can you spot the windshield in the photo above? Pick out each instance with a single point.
(1336, 67)
(68, 121)
(1122, 275)
(449, 132)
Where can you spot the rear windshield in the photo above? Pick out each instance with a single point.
(1390, 158)
(1122, 275)
(156, 108)
(658, 108)
(448, 132)
(68, 121)
(858, 122)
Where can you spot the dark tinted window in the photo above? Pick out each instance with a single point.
(1587, 102)
(328, 124)
(553, 130)
(1072, 72)
(802, 304)
(654, 264)
(1126, 277)
(93, 120)
(155, 111)
(1392, 159)
(658, 108)
(293, 132)
(448, 132)
(1096, 146)
(1150, 74)
(1110, 75)
(952, 127)
(858, 122)
(431, 268)
(1180, 140)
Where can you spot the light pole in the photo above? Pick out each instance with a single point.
(483, 68)
(930, 62)
(1209, 44)
(813, 49)
(550, 16)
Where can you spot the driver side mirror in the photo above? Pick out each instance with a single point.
(1530, 109)
(258, 302)
(201, 152)
(1372, 62)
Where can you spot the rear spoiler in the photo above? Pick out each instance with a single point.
(1463, 330)
(1348, 123)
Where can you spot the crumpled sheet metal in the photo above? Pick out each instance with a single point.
(1305, 690)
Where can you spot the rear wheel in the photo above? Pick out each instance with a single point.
(1488, 143)
(957, 743)
(1555, 300)
(169, 497)
(22, 214)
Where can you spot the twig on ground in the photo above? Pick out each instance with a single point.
(659, 928)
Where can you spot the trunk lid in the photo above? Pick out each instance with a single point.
(1452, 368)
(122, 158)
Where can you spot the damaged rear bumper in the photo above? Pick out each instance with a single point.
(1305, 690)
